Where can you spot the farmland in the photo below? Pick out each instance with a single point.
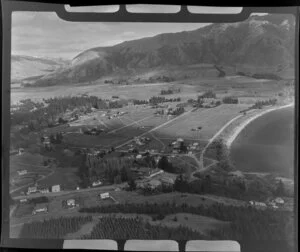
(144, 134)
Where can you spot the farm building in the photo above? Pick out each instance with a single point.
(55, 188)
(40, 208)
(104, 195)
(22, 172)
(32, 189)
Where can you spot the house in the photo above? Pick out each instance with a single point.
(44, 190)
(97, 183)
(279, 201)
(21, 151)
(22, 201)
(55, 188)
(139, 156)
(257, 204)
(71, 202)
(40, 208)
(32, 189)
(22, 172)
(104, 195)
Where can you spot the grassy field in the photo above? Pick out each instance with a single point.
(23, 210)
(66, 177)
(211, 120)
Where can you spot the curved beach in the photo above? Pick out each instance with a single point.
(238, 129)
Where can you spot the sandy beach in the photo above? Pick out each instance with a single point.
(238, 129)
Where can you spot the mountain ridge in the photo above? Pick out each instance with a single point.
(264, 42)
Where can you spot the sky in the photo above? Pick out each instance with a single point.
(44, 34)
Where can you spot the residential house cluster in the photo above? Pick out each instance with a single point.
(43, 189)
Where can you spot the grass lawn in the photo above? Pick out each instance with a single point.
(23, 210)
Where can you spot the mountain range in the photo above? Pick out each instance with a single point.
(260, 43)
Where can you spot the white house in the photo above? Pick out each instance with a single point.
(22, 172)
(55, 188)
(279, 201)
(257, 203)
(71, 202)
(40, 208)
(104, 195)
(23, 200)
(96, 183)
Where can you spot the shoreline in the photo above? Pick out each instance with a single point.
(238, 129)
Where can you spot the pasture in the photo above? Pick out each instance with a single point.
(210, 119)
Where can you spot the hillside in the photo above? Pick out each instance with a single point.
(260, 44)
(23, 67)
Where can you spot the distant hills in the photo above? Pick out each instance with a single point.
(259, 44)
(23, 67)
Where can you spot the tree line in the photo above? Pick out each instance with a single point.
(170, 91)
(159, 99)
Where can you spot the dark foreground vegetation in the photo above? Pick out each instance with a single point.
(54, 228)
(135, 228)
(246, 222)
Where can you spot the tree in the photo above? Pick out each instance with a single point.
(181, 184)
(117, 180)
(280, 190)
(132, 184)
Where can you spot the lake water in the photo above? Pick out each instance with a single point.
(267, 144)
